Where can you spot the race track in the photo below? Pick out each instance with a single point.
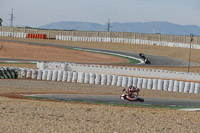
(155, 60)
(171, 102)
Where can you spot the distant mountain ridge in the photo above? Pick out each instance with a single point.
(139, 27)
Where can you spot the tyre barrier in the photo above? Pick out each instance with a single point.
(171, 85)
(36, 36)
(144, 83)
(181, 86)
(192, 86)
(176, 86)
(49, 75)
(39, 75)
(65, 74)
(13, 34)
(114, 80)
(155, 84)
(10, 73)
(130, 81)
(34, 74)
(60, 75)
(44, 75)
(114, 70)
(124, 81)
(111, 80)
(126, 40)
(97, 79)
(149, 84)
(69, 76)
(87, 78)
(165, 85)
(160, 84)
(103, 79)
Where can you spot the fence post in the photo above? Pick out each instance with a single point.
(25, 29)
(13, 30)
(48, 34)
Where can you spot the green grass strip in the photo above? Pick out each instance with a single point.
(131, 61)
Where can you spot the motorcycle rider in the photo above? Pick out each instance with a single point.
(131, 90)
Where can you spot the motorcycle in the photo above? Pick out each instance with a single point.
(125, 97)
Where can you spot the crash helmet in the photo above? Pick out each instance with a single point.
(133, 89)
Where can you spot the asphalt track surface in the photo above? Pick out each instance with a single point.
(155, 60)
(170, 102)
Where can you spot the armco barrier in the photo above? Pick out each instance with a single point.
(120, 81)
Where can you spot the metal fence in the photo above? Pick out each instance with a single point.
(130, 35)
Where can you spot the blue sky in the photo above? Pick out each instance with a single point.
(40, 12)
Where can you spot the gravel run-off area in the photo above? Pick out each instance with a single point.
(28, 115)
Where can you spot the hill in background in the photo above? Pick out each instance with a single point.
(139, 27)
